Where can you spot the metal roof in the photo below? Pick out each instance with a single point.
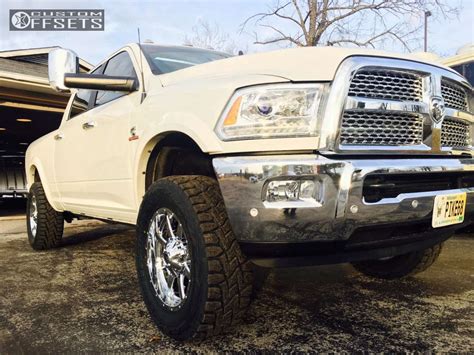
(25, 68)
(38, 56)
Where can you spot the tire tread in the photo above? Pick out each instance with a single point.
(402, 266)
(50, 225)
(229, 272)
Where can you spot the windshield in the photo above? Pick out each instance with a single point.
(164, 59)
(466, 69)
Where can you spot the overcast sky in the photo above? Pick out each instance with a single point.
(168, 22)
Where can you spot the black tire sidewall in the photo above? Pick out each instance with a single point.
(50, 223)
(181, 323)
(397, 267)
(35, 190)
(31, 237)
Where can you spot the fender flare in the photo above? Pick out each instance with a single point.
(143, 156)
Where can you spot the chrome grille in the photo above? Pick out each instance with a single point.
(454, 95)
(455, 133)
(390, 106)
(362, 127)
(379, 83)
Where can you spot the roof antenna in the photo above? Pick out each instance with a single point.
(141, 66)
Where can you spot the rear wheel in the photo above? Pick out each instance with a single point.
(400, 266)
(194, 279)
(44, 225)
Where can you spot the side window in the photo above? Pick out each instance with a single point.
(81, 102)
(120, 65)
(469, 72)
(459, 69)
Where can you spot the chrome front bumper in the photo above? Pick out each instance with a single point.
(340, 208)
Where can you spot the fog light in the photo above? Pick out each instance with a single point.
(276, 190)
(309, 189)
(292, 190)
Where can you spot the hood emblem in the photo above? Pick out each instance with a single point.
(437, 109)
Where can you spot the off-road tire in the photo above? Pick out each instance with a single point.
(50, 223)
(221, 276)
(400, 266)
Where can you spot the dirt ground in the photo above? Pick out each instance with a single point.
(83, 296)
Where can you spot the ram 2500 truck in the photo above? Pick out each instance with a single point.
(301, 156)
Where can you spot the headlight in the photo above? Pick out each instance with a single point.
(271, 111)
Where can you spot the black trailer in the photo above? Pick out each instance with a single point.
(12, 177)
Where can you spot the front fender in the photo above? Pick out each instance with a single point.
(36, 167)
(40, 159)
(191, 107)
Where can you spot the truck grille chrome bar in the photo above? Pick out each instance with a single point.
(399, 105)
(387, 84)
(381, 128)
(455, 133)
(454, 95)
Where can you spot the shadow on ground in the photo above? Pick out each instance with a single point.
(12, 207)
(84, 296)
(93, 234)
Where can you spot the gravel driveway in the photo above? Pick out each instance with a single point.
(83, 296)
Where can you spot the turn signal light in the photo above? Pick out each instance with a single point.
(231, 117)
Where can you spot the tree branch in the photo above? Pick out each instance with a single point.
(351, 22)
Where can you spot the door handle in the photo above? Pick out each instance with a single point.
(58, 137)
(89, 125)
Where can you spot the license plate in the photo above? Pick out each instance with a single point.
(448, 210)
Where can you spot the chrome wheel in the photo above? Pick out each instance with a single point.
(33, 215)
(168, 259)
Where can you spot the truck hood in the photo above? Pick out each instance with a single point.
(295, 64)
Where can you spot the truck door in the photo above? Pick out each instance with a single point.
(96, 176)
(69, 156)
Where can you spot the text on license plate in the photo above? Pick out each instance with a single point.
(448, 209)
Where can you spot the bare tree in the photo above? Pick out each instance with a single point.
(364, 23)
(210, 36)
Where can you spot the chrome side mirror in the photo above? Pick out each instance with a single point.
(101, 82)
(60, 62)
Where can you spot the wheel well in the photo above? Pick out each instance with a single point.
(177, 154)
(34, 174)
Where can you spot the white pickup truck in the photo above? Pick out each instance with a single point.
(294, 157)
